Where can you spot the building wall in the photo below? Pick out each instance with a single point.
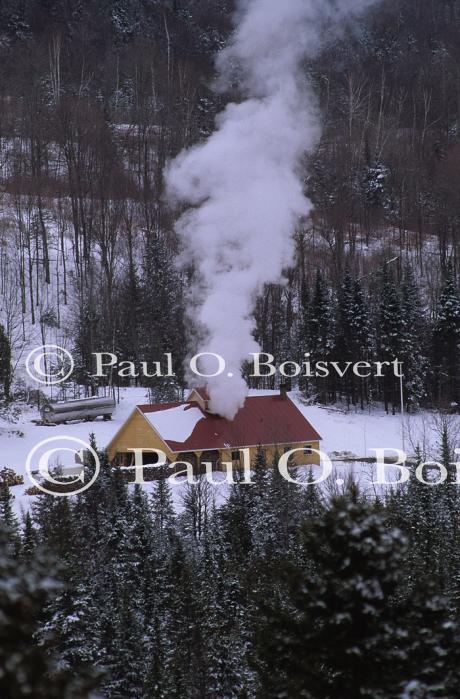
(137, 433)
(273, 453)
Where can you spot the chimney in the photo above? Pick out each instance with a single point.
(283, 390)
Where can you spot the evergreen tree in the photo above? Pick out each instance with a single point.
(284, 511)
(223, 623)
(155, 680)
(184, 645)
(361, 331)
(235, 515)
(5, 362)
(72, 628)
(344, 343)
(446, 340)
(7, 514)
(352, 333)
(125, 660)
(27, 668)
(162, 512)
(128, 331)
(162, 317)
(321, 329)
(29, 537)
(311, 503)
(336, 612)
(390, 328)
(261, 522)
(303, 329)
(431, 634)
(53, 516)
(413, 341)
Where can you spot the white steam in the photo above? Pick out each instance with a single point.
(244, 185)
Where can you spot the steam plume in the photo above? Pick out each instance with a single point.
(244, 183)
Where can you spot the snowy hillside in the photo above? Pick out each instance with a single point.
(345, 436)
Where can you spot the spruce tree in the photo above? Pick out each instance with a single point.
(390, 329)
(311, 502)
(28, 668)
(303, 329)
(7, 514)
(432, 645)
(446, 340)
(413, 341)
(333, 632)
(125, 660)
(321, 330)
(284, 510)
(162, 311)
(261, 522)
(162, 511)
(184, 642)
(5, 363)
(235, 515)
(344, 340)
(29, 537)
(363, 340)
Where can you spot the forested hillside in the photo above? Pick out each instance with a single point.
(129, 130)
(282, 591)
(97, 96)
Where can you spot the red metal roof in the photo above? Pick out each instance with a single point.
(262, 420)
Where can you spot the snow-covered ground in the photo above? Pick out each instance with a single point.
(345, 435)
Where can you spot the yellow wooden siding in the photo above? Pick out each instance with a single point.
(273, 452)
(137, 433)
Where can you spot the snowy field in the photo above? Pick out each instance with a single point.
(346, 436)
